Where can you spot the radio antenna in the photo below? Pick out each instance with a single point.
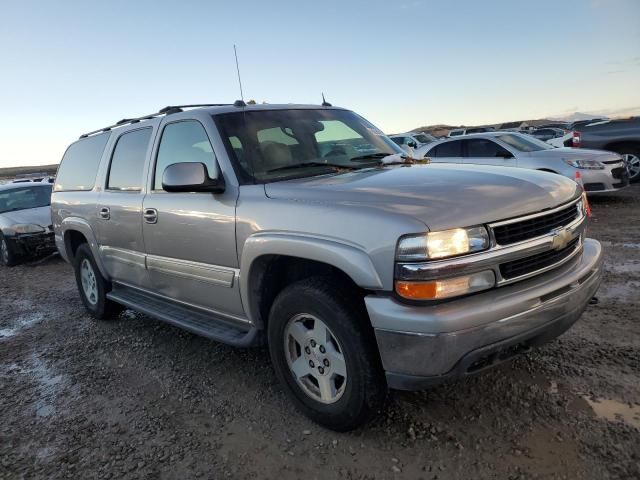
(235, 52)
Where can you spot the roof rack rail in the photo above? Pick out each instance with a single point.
(168, 110)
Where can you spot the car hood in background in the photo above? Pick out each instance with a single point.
(39, 216)
(440, 195)
(574, 154)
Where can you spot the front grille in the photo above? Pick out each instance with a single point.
(524, 266)
(534, 227)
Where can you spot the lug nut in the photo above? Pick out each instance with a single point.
(322, 349)
(313, 343)
(307, 350)
(326, 362)
(321, 370)
(311, 364)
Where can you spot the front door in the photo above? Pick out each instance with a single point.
(120, 210)
(483, 151)
(190, 237)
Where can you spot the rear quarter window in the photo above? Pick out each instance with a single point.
(79, 165)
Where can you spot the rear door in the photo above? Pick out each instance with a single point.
(447, 152)
(484, 151)
(120, 208)
(190, 237)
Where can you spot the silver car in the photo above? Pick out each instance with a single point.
(598, 171)
(267, 224)
(25, 222)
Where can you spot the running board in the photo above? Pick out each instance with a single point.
(197, 321)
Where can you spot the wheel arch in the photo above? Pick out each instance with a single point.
(75, 232)
(269, 262)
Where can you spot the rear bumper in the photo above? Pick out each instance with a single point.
(423, 345)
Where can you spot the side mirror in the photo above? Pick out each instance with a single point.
(190, 177)
(412, 144)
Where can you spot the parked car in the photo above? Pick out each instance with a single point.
(25, 222)
(620, 136)
(546, 134)
(457, 132)
(33, 177)
(410, 141)
(361, 272)
(599, 171)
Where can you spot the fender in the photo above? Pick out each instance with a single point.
(82, 226)
(349, 258)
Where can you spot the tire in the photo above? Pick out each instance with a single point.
(359, 394)
(96, 302)
(631, 156)
(8, 257)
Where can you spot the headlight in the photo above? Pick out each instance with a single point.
(27, 228)
(585, 164)
(446, 243)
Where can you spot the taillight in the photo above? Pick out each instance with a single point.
(575, 140)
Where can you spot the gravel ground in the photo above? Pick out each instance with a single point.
(135, 398)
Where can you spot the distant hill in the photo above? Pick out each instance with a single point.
(11, 172)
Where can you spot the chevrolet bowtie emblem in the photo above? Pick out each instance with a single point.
(561, 239)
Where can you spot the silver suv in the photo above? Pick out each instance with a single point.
(304, 228)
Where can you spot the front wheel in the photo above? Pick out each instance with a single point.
(8, 256)
(324, 353)
(93, 287)
(632, 159)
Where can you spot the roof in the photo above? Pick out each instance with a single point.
(213, 109)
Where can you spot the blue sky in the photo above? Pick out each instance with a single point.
(70, 66)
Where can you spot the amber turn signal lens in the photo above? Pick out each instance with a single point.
(416, 290)
(446, 288)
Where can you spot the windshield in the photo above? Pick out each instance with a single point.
(424, 138)
(524, 143)
(25, 197)
(270, 145)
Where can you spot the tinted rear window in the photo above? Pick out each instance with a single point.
(80, 163)
(447, 149)
(127, 162)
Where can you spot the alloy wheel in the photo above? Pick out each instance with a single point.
(633, 165)
(315, 358)
(89, 281)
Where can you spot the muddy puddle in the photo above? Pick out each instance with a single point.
(23, 322)
(615, 411)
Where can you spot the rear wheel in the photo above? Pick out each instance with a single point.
(8, 257)
(324, 353)
(93, 287)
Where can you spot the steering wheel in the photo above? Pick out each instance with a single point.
(335, 151)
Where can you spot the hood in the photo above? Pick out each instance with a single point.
(440, 195)
(39, 216)
(575, 154)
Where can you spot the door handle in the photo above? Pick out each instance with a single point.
(150, 215)
(105, 213)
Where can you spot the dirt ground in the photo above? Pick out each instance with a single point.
(136, 398)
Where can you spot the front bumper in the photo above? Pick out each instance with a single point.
(611, 179)
(423, 345)
(33, 244)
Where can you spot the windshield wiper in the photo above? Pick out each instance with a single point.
(371, 156)
(310, 164)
